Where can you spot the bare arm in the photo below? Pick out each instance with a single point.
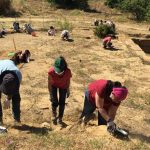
(112, 111)
(99, 104)
(49, 83)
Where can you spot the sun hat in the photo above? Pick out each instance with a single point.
(59, 65)
(120, 93)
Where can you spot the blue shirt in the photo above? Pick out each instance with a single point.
(8, 65)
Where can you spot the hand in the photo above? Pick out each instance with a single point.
(68, 93)
(7, 104)
(111, 126)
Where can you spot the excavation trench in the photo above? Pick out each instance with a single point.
(144, 44)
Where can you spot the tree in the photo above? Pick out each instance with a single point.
(4, 5)
(81, 4)
(136, 7)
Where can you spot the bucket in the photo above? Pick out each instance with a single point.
(33, 33)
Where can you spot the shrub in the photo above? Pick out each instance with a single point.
(5, 5)
(65, 25)
(81, 4)
(102, 30)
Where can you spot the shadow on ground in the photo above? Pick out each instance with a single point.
(140, 137)
(32, 129)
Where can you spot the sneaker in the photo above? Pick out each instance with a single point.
(1, 122)
(60, 123)
(54, 120)
(17, 123)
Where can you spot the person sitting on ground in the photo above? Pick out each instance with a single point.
(51, 31)
(1, 35)
(59, 81)
(21, 56)
(10, 78)
(105, 96)
(2, 32)
(65, 35)
(28, 29)
(16, 27)
(96, 22)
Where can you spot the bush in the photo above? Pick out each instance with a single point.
(147, 16)
(5, 5)
(102, 30)
(65, 25)
(81, 4)
(136, 7)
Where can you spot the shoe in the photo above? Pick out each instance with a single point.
(54, 120)
(17, 123)
(1, 122)
(60, 123)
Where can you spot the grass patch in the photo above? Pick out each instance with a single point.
(64, 25)
(96, 144)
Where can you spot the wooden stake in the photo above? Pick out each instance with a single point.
(14, 44)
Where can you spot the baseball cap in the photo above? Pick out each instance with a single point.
(59, 65)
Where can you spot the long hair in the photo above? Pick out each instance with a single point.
(16, 58)
(64, 62)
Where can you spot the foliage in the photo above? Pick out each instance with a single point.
(81, 4)
(102, 30)
(5, 5)
(65, 25)
(138, 8)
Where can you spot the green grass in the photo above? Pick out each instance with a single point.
(96, 144)
(64, 25)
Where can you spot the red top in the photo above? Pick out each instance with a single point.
(107, 39)
(99, 87)
(60, 81)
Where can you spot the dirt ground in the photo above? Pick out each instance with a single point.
(88, 61)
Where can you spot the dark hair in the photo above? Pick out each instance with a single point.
(16, 58)
(51, 27)
(21, 57)
(64, 62)
(25, 55)
(110, 85)
(117, 84)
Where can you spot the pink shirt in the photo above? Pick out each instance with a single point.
(60, 81)
(107, 39)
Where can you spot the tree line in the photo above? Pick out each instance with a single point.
(140, 9)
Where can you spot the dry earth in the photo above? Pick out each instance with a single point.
(88, 61)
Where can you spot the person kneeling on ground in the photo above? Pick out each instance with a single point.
(10, 78)
(65, 35)
(16, 27)
(51, 31)
(105, 96)
(21, 56)
(59, 81)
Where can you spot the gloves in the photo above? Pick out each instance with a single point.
(7, 104)
(111, 126)
(68, 93)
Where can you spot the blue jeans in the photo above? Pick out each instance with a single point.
(88, 109)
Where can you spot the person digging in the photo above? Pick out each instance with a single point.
(105, 96)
